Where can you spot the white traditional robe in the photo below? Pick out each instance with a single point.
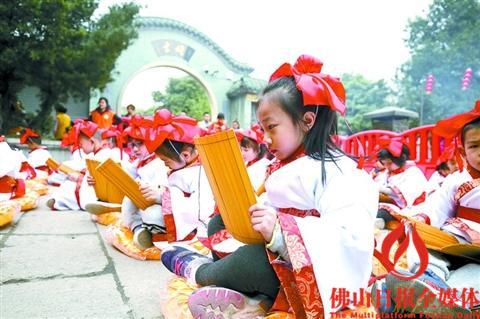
(66, 196)
(409, 189)
(38, 157)
(339, 244)
(380, 177)
(435, 182)
(187, 202)
(442, 206)
(153, 173)
(258, 172)
(9, 166)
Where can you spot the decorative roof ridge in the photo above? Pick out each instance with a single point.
(160, 22)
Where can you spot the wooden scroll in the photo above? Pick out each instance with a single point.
(121, 179)
(441, 241)
(104, 189)
(226, 172)
(56, 166)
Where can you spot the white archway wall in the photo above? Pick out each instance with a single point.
(189, 70)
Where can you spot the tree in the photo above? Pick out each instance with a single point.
(363, 96)
(444, 43)
(59, 47)
(184, 95)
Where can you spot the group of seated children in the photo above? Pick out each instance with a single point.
(451, 203)
(317, 213)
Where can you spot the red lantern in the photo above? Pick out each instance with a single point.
(467, 77)
(429, 84)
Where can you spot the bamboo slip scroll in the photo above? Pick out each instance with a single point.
(104, 189)
(117, 176)
(226, 172)
(56, 166)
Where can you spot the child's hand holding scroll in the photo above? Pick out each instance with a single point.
(263, 220)
(152, 194)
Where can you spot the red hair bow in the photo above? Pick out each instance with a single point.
(116, 133)
(452, 126)
(138, 128)
(317, 88)
(82, 126)
(26, 134)
(167, 126)
(392, 144)
(254, 133)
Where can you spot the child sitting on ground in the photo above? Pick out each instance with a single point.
(317, 224)
(151, 174)
(38, 154)
(454, 208)
(187, 201)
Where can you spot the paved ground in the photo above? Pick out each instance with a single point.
(57, 265)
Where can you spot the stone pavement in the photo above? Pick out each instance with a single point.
(57, 265)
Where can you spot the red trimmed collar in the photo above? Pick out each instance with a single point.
(398, 171)
(277, 164)
(473, 172)
(147, 160)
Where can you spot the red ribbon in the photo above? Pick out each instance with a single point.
(26, 134)
(167, 126)
(254, 133)
(82, 126)
(392, 144)
(317, 88)
(116, 133)
(138, 128)
(452, 126)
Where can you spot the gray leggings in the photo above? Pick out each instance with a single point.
(246, 270)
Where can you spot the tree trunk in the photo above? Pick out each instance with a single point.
(9, 86)
(41, 121)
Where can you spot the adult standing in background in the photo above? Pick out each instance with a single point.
(103, 115)
(205, 123)
(62, 122)
(130, 111)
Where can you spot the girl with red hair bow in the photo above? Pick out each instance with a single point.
(446, 165)
(187, 201)
(406, 184)
(151, 174)
(38, 154)
(77, 191)
(317, 220)
(454, 208)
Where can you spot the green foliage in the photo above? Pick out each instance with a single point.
(184, 94)
(59, 47)
(445, 44)
(363, 96)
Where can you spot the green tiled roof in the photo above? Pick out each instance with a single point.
(157, 22)
(246, 85)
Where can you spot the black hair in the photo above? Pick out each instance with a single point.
(106, 101)
(399, 161)
(469, 126)
(221, 116)
(171, 149)
(318, 142)
(442, 166)
(61, 109)
(131, 106)
(260, 149)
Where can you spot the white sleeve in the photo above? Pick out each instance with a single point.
(440, 206)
